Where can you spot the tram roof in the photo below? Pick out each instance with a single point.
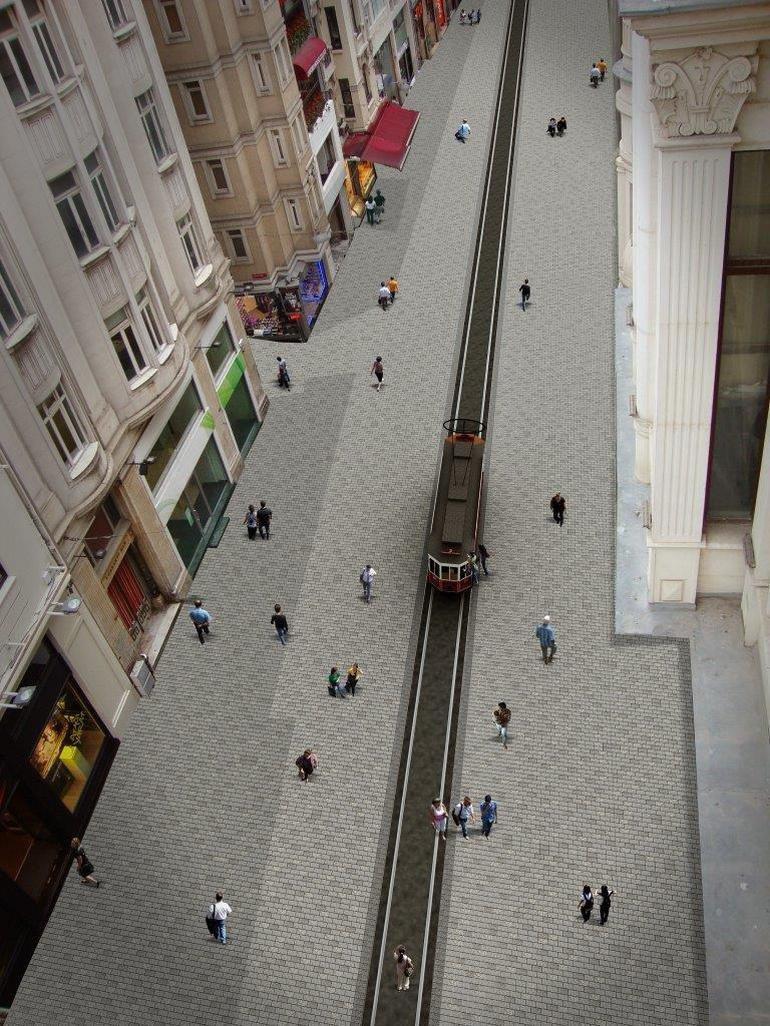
(454, 522)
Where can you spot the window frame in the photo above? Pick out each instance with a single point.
(188, 236)
(170, 35)
(46, 46)
(12, 299)
(259, 73)
(148, 315)
(355, 17)
(79, 212)
(211, 172)
(333, 26)
(243, 7)
(345, 104)
(122, 19)
(367, 85)
(125, 329)
(277, 146)
(150, 115)
(293, 214)
(62, 404)
(188, 86)
(240, 234)
(282, 62)
(300, 143)
(7, 38)
(101, 189)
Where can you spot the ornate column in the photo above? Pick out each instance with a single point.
(697, 101)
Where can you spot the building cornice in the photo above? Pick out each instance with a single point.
(715, 27)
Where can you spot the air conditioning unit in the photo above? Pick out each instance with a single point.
(142, 677)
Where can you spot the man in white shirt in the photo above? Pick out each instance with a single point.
(463, 132)
(463, 812)
(367, 579)
(219, 910)
(384, 295)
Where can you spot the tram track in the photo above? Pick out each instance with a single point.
(411, 891)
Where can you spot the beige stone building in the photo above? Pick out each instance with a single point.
(127, 403)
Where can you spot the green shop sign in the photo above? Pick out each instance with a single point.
(226, 389)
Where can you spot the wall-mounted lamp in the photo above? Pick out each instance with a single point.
(67, 606)
(212, 345)
(18, 699)
(142, 464)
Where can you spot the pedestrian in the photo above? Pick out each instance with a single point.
(201, 618)
(404, 967)
(336, 689)
(284, 380)
(378, 371)
(547, 637)
(264, 516)
(604, 903)
(463, 132)
(250, 520)
(306, 763)
(281, 624)
(463, 16)
(552, 127)
(484, 555)
(478, 15)
(379, 203)
(558, 505)
(366, 577)
(473, 563)
(471, 16)
(85, 866)
(383, 296)
(354, 676)
(439, 817)
(586, 903)
(524, 289)
(463, 812)
(561, 125)
(488, 810)
(601, 64)
(371, 208)
(219, 910)
(392, 287)
(594, 75)
(502, 715)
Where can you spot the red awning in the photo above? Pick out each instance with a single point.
(309, 56)
(388, 139)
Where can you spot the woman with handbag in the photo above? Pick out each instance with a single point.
(404, 967)
(85, 866)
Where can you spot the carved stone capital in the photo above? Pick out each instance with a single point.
(703, 93)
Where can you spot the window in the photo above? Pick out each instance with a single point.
(150, 321)
(243, 6)
(279, 150)
(14, 65)
(177, 426)
(347, 98)
(102, 193)
(327, 158)
(42, 34)
(192, 249)
(294, 215)
(281, 61)
(221, 348)
(116, 14)
(195, 101)
(11, 310)
(311, 195)
(126, 344)
(171, 20)
(300, 135)
(261, 81)
(62, 424)
(74, 215)
(238, 245)
(102, 529)
(334, 28)
(218, 180)
(152, 125)
(354, 17)
(365, 79)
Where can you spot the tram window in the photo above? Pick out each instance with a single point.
(444, 573)
(453, 573)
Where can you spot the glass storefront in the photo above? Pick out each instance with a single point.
(383, 67)
(236, 399)
(743, 375)
(199, 506)
(313, 287)
(360, 177)
(220, 349)
(176, 427)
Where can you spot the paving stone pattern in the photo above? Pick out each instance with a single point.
(203, 793)
(598, 785)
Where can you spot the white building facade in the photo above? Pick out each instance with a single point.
(694, 245)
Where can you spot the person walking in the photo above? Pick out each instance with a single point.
(594, 75)
(353, 677)
(586, 903)
(371, 209)
(306, 764)
(558, 505)
(336, 689)
(378, 371)
(219, 910)
(551, 127)
(264, 516)
(201, 618)
(366, 578)
(561, 125)
(463, 16)
(439, 817)
(473, 563)
(478, 15)
(383, 297)
(484, 555)
(525, 291)
(392, 287)
(463, 132)
(547, 637)
(604, 903)
(379, 205)
(250, 520)
(404, 967)
(281, 624)
(284, 380)
(502, 715)
(463, 812)
(488, 810)
(601, 64)
(85, 867)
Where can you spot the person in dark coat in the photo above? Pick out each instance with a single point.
(85, 866)
(586, 903)
(558, 505)
(561, 125)
(604, 903)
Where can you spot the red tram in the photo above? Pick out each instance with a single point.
(454, 531)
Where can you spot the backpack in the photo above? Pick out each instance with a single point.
(455, 817)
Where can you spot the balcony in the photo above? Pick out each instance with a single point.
(324, 121)
(332, 185)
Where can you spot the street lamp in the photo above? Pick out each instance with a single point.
(142, 464)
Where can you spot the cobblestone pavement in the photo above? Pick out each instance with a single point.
(203, 793)
(598, 784)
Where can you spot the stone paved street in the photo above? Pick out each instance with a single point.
(599, 781)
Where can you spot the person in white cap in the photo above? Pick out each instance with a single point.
(546, 635)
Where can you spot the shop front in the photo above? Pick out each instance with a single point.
(313, 289)
(385, 71)
(360, 176)
(276, 314)
(56, 754)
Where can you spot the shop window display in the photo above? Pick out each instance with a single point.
(29, 852)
